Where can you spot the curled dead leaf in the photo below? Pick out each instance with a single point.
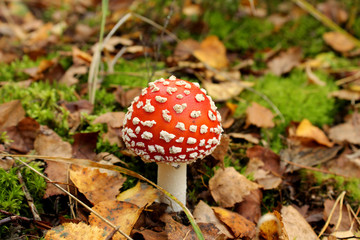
(338, 41)
(228, 187)
(307, 130)
(285, 61)
(212, 52)
(77, 231)
(259, 116)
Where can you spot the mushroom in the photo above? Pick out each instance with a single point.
(173, 122)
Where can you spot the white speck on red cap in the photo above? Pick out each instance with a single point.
(192, 128)
(166, 136)
(195, 114)
(135, 120)
(148, 123)
(148, 107)
(165, 115)
(179, 108)
(191, 140)
(171, 90)
(180, 140)
(179, 96)
(187, 92)
(199, 97)
(175, 150)
(146, 135)
(181, 126)
(172, 78)
(160, 99)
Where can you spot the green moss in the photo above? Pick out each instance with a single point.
(132, 73)
(12, 196)
(14, 70)
(41, 101)
(296, 100)
(350, 185)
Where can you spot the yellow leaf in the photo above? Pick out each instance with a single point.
(140, 195)
(212, 52)
(75, 231)
(307, 130)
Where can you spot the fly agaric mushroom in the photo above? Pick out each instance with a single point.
(173, 122)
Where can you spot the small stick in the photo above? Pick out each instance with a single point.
(28, 197)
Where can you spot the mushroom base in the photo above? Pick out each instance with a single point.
(173, 180)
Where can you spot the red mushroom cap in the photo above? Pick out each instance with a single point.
(173, 121)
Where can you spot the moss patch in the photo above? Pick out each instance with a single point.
(296, 100)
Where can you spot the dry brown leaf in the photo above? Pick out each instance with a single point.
(250, 207)
(23, 135)
(220, 151)
(346, 222)
(10, 114)
(338, 41)
(285, 61)
(185, 49)
(295, 225)
(223, 91)
(48, 143)
(6, 163)
(84, 145)
(114, 121)
(177, 231)
(69, 78)
(247, 136)
(312, 78)
(141, 195)
(75, 231)
(307, 130)
(264, 165)
(240, 226)
(204, 214)
(346, 132)
(228, 187)
(97, 186)
(122, 214)
(334, 10)
(80, 57)
(212, 52)
(259, 116)
(346, 94)
(347, 164)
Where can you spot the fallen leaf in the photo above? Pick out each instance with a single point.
(121, 214)
(70, 76)
(307, 130)
(338, 41)
(97, 186)
(348, 235)
(11, 113)
(346, 94)
(23, 134)
(79, 106)
(220, 151)
(75, 231)
(347, 164)
(84, 145)
(203, 213)
(346, 132)
(114, 121)
(80, 57)
(346, 222)
(285, 61)
(225, 90)
(126, 97)
(264, 165)
(246, 136)
(310, 156)
(250, 207)
(185, 48)
(48, 143)
(295, 225)
(333, 10)
(259, 116)
(177, 231)
(141, 195)
(228, 187)
(239, 226)
(5, 162)
(312, 78)
(212, 52)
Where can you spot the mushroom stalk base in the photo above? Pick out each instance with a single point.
(173, 180)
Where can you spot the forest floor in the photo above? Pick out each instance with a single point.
(285, 78)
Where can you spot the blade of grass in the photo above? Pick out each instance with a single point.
(89, 163)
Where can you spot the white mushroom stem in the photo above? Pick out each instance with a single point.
(173, 180)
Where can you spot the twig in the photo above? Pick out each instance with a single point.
(348, 79)
(28, 197)
(325, 20)
(76, 199)
(313, 169)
